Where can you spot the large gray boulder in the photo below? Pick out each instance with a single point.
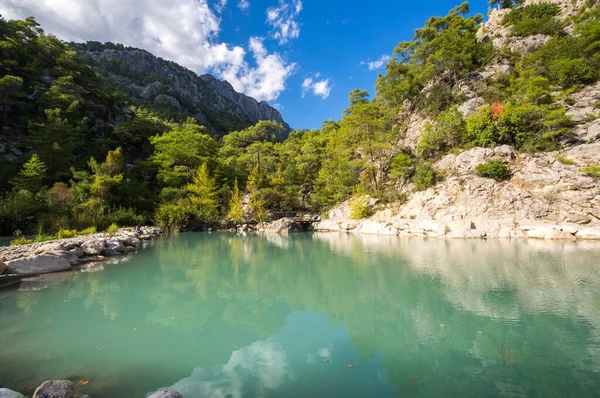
(93, 247)
(71, 257)
(2, 267)
(9, 280)
(283, 225)
(6, 393)
(166, 394)
(113, 248)
(36, 265)
(55, 389)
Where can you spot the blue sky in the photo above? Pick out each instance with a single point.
(301, 56)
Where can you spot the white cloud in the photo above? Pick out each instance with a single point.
(283, 20)
(243, 5)
(220, 6)
(263, 82)
(320, 88)
(374, 65)
(184, 31)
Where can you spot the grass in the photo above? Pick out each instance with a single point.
(565, 161)
(592, 171)
(112, 228)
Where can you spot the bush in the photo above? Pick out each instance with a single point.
(67, 233)
(173, 216)
(112, 228)
(493, 169)
(565, 161)
(449, 132)
(21, 240)
(534, 19)
(359, 208)
(592, 171)
(425, 176)
(88, 231)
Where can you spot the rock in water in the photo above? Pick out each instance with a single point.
(36, 265)
(6, 393)
(55, 389)
(166, 394)
(8, 280)
(93, 247)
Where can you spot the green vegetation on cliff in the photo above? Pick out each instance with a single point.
(174, 172)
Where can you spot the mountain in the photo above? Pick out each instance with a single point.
(174, 91)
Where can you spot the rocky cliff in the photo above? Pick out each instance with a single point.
(553, 195)
(156, 83)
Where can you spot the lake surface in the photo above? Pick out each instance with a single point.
(5, 241)
(222, 315)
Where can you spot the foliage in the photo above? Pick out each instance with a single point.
(534, 19)
(203, 195)
(112, 228)
(565, 161)
(31, 176)
(449, 132)
(592, 171)
(359, 207)
(425, 176)
(88, 231)
(236, 206)
(493, 169)
(66, 233)
(171, 217)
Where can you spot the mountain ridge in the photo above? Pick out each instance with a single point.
(157, 83)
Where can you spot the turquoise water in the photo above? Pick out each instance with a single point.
(5, 241)
(220, 315)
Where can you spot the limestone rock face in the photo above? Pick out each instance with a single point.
(36, 265)
(55, 389)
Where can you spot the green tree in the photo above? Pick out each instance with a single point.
(11, 91)
(203, 195)
(31, 176)
(236, 205)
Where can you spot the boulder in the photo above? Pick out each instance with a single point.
(36, 265)
(2, 267)
(93, 247)
(55, 389)
(9, 280)
(166, 394)
(69, 256)
(113, 248)
(130, 241)
(6, 393)
(129, 249)
(470, 107)
(283, 225)
(78, 251)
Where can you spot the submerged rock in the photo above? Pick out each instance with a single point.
(166, 394)
(36, 265)
(9, 280)
(6, 393)
(55, 389)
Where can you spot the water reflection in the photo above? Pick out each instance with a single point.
(459, 318)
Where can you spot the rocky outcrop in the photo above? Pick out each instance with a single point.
(6, 393)
(62, 255)
(166, 394)
(55, 389)
(36, 265)
(543, 199)
(205, 97)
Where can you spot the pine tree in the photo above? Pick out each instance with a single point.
(257, 204)
(204, 195)
(31, 176)
(236, 206)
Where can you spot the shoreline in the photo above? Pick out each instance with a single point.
(59, 255)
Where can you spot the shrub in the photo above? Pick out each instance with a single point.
(565, 161)
(425, 176)
(88, 231)
(359, 208)
(401, 166)
(173, 216)
(592, 171)
(21, 240)
(534, 19)
(112, 228)
(449, 132)
(493, 169)
(67, 233)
